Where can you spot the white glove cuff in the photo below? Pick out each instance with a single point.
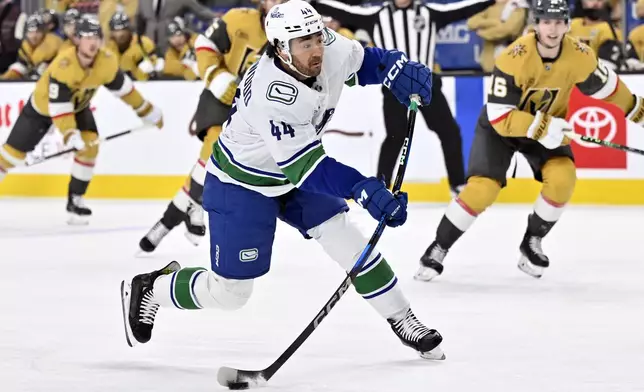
(220, 83)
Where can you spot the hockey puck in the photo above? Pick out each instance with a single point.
(237, 386)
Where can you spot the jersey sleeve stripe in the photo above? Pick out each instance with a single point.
(298, 171)
(609, 88)
(497, 112)
(121, 85)
(245, 168)
(203, 43)
(295, 156)
(60, 109)
(19, 68)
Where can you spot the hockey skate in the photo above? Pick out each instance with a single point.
(77, 211)
(195, 226)
(152, 239)
(414, 334)
(532, 261)
(139, 305)
(431, 263)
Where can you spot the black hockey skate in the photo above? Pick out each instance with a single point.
(77, 210)
(414, 334)
(195, 226)
(139, 306)
(431, 263)
(152, 239)
(533, 261)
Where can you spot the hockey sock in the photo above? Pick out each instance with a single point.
(176, 211)
(197, 178)
(457, 219)
(376, 283)
(546, 214)
(82, 173)
(198, 288)
(9, 157)
(3, 173)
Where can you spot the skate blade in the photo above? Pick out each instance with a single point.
(77, 220)
(533, 270)
(193, 238)
(435, 354)
(125, 304)
(425, 274)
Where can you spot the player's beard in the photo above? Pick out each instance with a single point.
(312, 68)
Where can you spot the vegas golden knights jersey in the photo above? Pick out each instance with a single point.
(173, 60)
(232, 43)
(30, 58)
(523, 83)
(67, 88)
(593, 35)
(136, 51)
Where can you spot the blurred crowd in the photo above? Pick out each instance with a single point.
(155, 38)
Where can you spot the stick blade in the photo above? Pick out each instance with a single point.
(239, 379)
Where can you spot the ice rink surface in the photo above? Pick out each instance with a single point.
(579, 328)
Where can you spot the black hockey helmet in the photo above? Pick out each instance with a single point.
(35, 22)
(49, 16)
(550, 9)
(120, 21)
(71, 16)
(174, 28)
(88, 26)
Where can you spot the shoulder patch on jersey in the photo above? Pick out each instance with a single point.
(583, 48)
(281, 92)
(328, 36)
(64, 62)
(517, 50)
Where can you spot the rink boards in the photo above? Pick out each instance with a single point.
(153, 164)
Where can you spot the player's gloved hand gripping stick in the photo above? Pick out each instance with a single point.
(243, 379)
(97, 141)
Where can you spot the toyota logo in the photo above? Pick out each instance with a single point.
(594, 122)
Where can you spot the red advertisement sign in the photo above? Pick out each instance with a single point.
(598, 119)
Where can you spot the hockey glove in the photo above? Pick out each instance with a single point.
(404, 77)
(146, 67)
(636, 114)
(151, 114)
(372, 195)
(548, 130)
(73, 139)
(223, 87)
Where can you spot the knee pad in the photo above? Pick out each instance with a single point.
(479, 193)
(341, 240)
(227, 294)
(559, 179)
(89, 154)
(211, 136)
(10, 157)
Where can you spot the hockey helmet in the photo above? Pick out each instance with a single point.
(293, 19)
(71, 16)
(49, 16)
(120, 21)
(35, 22)
(551, 9)
(174, 28)
(88, 26)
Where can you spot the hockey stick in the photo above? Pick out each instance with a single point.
(605, 143)
(243, 379)
(91, 144)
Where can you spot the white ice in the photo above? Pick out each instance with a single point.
(579, 328)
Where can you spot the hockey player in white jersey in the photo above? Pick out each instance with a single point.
(269, 163)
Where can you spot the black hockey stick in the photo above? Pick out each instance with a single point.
(243, 379)
(605, 143)
(94, 143)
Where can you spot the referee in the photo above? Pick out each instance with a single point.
(410, 26)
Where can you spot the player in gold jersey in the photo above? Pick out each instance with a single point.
(180, 57)
(62, 97)
(37, 50)
(224, 52)
(137, 54)
(594, 29)
(70, 18)
(526, 109)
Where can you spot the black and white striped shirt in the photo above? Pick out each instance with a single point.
(411, 29)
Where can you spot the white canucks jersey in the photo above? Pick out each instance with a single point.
(271, 141)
